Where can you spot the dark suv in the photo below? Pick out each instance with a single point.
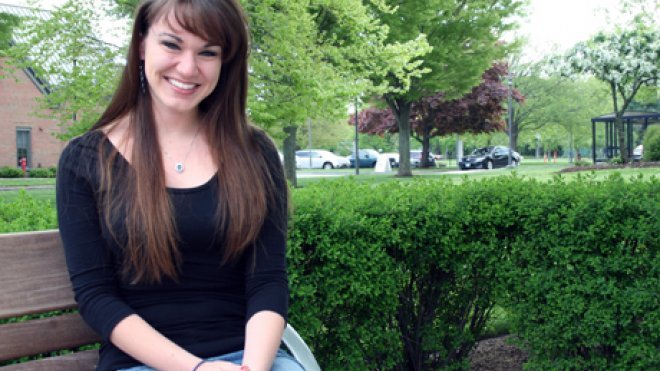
(489, 158)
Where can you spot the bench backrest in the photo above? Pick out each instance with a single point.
(33, 281)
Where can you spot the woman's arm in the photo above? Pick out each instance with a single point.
(266, 282)
(262, 339)
(136, 337)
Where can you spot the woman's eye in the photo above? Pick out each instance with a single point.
(208, 53)
(170, 45)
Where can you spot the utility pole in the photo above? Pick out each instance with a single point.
(510, 114)
(356, 155)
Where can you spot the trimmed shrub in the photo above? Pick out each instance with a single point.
(652, 144)
(10, 172)
(42, 173)
(400, 275)
(618, 160)
(582, 163)
(583, 275)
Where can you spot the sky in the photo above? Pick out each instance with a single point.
(557, 25)
(551, 25)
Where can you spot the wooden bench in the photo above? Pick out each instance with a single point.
(34, 280)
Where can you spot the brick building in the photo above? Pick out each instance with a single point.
(22, 133)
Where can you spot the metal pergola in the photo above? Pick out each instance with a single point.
(631, 121)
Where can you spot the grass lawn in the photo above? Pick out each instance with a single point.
(45, 190)
(39, 194)
(15, 182)
(535, 170)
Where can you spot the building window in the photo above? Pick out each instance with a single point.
(23, 146)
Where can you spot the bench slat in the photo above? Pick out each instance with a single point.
(80, 361)
(36, 280)
(44, 335)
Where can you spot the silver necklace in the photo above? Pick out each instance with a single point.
(179, 166)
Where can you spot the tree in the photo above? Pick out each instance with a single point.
(626, 60)
(309, 59)
(464, 39)
(79, 69)
(551, 99)
(7, 24)
(479, 111)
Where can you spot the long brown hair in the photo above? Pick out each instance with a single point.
(246, 186)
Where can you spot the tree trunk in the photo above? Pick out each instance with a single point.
(290, 154)
(426, 145)
(618, 124)
(401, 110)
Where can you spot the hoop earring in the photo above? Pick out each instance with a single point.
(143, 87)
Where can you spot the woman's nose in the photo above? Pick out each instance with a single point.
(187, 65)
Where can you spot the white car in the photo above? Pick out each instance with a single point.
(638, 153)
(319, 159)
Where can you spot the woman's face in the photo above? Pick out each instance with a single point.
(181, 68)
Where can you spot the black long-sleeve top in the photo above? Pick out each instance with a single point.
(206, 310)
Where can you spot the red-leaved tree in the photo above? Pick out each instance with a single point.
(480, 111)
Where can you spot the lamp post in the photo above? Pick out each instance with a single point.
(510, 114)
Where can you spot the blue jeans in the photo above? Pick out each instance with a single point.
(283, 362)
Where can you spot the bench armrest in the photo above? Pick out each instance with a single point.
(299, 350)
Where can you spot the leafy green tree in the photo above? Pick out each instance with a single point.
(79, 70)
(464, 39)
(553, 100)
(309, 59)
(626, 60)
(7, 23)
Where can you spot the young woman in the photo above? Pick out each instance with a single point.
(173, 209)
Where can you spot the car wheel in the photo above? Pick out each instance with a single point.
(514, 163)
(328, 165)
(489, 165)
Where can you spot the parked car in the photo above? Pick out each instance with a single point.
(319, 159)
(416, 159)
(367, 158)
(638, 153)
(489, 158)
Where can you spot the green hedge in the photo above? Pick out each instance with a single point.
(10, 172)
(403, 275)
(652, 144)
(49, 172)
(583, 277)
(25, 213)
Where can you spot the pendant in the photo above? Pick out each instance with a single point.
(178, 167)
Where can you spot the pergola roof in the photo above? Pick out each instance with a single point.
(610, 117)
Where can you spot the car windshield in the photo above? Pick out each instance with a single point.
(480, 151)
